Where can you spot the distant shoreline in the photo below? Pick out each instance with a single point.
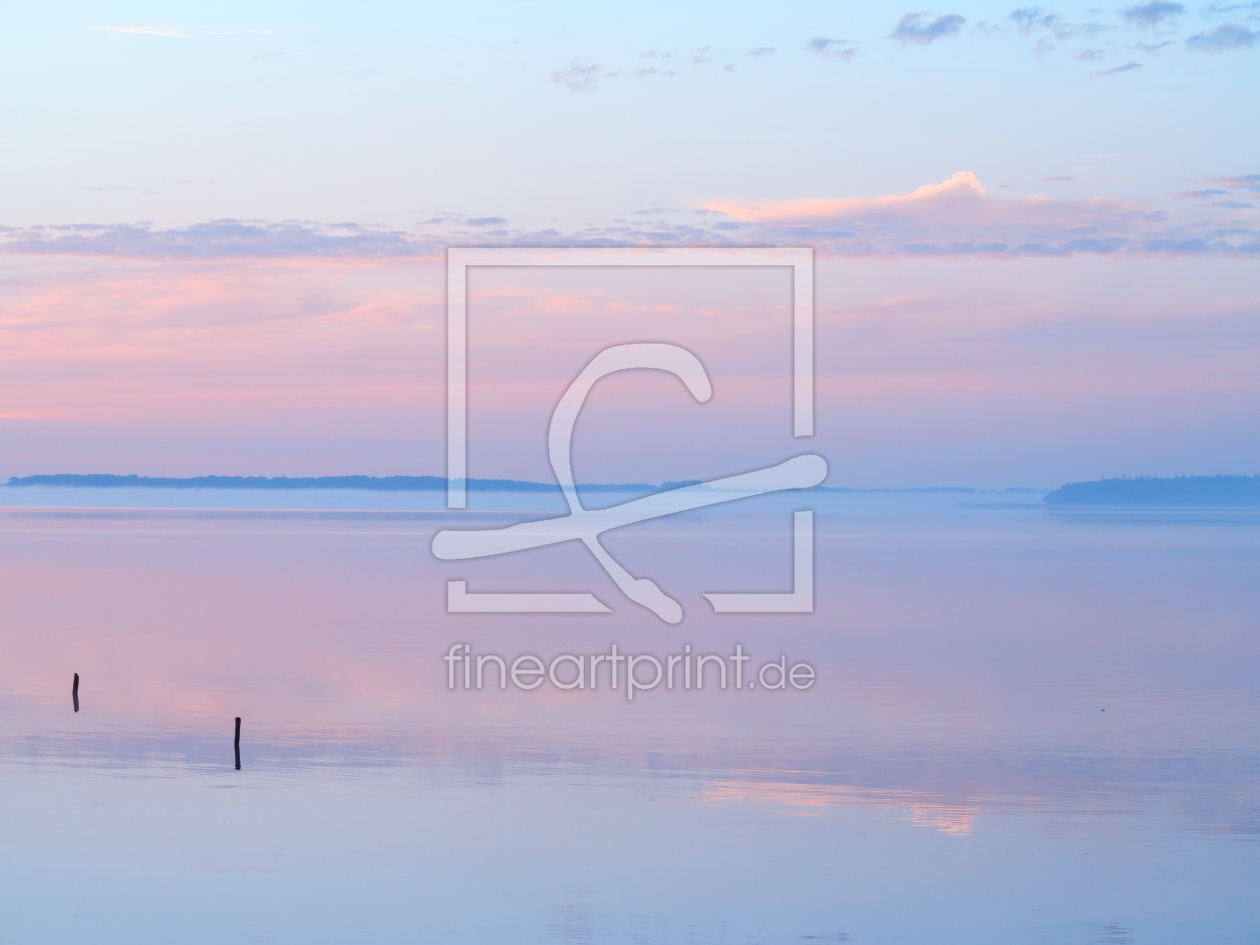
(1152, 492)
(403, 484)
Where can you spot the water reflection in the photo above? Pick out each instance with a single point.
(921, 809)
(1027, 727)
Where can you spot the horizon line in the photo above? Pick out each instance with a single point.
(401, 483)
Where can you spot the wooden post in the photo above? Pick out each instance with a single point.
(237, 743)
(74, 692)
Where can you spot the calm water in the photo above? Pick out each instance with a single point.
(1027, 727)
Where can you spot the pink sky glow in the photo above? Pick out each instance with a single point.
(976, 372)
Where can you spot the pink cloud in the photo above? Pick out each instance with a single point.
(960, 201)
(138, 339)
(962, 188)
(958, 217)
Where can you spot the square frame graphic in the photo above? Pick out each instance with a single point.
(460, 259)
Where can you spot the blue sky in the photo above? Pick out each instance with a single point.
(222, 228)
(563, 115)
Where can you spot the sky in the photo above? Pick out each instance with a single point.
(222, 231)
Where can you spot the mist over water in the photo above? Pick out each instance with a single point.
(1026, 727)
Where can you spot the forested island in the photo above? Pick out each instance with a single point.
(1146, 492)
(374, 483)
